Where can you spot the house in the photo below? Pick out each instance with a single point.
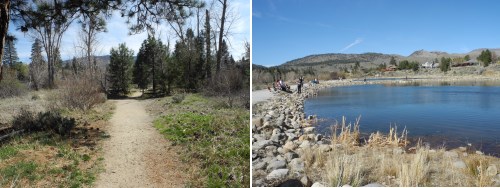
(467, 63)
(430, 65)
(391, 68)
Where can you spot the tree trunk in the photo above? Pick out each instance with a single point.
(208, 68)
(221, 33)
(4, 27)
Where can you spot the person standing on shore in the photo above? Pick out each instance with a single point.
(299, 84)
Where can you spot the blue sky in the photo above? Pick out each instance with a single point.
(118, 33)
(284, 30)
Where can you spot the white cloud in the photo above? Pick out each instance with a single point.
(356, 42)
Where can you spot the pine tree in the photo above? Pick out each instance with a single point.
(140, 75)
(485, 57)
(10, 53)
(119, 75)
(393, 61)
(37, 68)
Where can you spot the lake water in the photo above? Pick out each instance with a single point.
(449, 114)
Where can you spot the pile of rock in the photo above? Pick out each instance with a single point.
(281, 132)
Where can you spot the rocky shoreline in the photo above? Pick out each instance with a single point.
(281, 134)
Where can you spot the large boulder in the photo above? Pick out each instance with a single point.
(277, 175)
(277, 164)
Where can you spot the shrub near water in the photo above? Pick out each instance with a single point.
(219, 139)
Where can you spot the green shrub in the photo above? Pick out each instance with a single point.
(178, 98)
(46, 121)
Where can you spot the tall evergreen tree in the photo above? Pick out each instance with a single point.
(140, 74)
(393, 61)
(119, 75)
(37, 68)
(485, 57)
(10, 53)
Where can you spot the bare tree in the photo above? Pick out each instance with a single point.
(91, 26)
(221, 33)
(208, 66)
(48, 21)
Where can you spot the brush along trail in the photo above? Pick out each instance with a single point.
(136, 155)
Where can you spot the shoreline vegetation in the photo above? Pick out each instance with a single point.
(287, 151)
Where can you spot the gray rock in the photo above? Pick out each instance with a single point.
(257, 122)
(281, 150)
(491, 170)
(305, 144)
(459, 164)
(297, 166)
(261, 144)
(317, 184)
(271, 113)
(276, 131)
(479, 152)
(276, 138)
(291, 136)
(318, 137)
(278, 164)
(278, 174)
(260, 166)
(450, 154)
(289, 146)
(291, 155)
(374, 185)
(258, 137)
(305, 181)
(280, 158)
(257, 183)
(308, 130)
(271, 150)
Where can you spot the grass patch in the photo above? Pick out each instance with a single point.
(47, 160)
(7, 151)
(218, 138)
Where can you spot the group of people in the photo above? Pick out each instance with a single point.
(280, 85)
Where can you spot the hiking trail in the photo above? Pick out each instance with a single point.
(136, 154)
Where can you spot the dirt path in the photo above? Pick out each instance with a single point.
(136, 154)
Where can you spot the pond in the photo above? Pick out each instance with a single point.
(446, 114)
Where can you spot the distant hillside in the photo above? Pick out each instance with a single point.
(103, 58)
(337, 58)
(373, 59)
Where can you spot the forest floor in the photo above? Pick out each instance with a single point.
(136, 154)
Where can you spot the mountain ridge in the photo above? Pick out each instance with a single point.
(420, 56)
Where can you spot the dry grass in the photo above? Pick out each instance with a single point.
(382, 159)
(349, 133)
(345, 169)
(392, 138)
(35, 101)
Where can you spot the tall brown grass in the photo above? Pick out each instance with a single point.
(383, 159)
